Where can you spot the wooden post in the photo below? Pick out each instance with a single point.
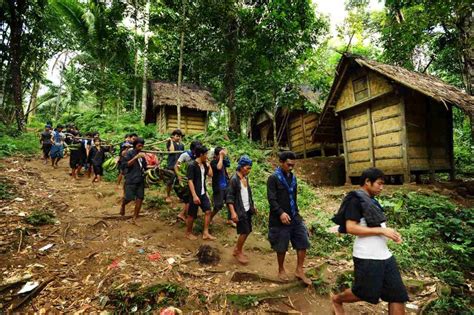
(338, 148)
(304, 135)
(452, 171)
(405, 141)
(371, 137)
(429, 140)
(323, 151)
(206, 121)
(346, 154)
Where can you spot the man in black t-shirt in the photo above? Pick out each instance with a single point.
(46, 142)
(376, 274)
(173, 144)
(220, 182)
(134, 166)
(197, 172)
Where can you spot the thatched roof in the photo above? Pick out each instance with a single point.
(329, 128)
(193, 97)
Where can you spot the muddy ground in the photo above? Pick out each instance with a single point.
(95, 254)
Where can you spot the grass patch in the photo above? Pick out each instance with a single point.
(6, 189)
(243, 301)
(39, 217)
(26, 144)
(135, 298)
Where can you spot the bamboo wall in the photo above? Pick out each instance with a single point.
(192, 121)
(300, 128)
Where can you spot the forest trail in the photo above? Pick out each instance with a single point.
(92, 253)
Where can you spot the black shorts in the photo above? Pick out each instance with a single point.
(134, 191)
(182, 192)
(46, 148)
(75, 159)
(378, 279)
(98, 170)
(169, 177)
(244, 226)
(218, 197)
(281, 236)
(205, 206)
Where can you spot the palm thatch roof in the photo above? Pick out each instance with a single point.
(193, 97)
(329, 129)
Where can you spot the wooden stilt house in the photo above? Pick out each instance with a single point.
(162, 102)
(391, 118)
(294, 129)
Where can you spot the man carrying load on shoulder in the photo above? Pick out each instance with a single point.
(376, 274)
(173, 144)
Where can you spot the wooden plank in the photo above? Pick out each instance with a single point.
(388, 152)
(382, 118)
(357, 120)
(362, 143)
(359, 156)
(405, 143)
(389, 124)
(357, 133)
(358, 138)
(357, 126)
(346, 158)
(371, 137)
(359, 149)
(378, 84)
(392, 164)
(429, 139)
(388, 131)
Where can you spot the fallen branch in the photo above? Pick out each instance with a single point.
(65, 232)
(32, 294)
(112, 217)
(21, 241)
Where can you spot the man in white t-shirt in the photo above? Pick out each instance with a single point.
(376, 274)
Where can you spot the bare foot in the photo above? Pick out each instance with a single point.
(235, 253)
(283, 276)
(191, 236)
(300, 275)
(208, 237)
(231, 223)
(122, 212)
(168, 200)
(241, 258)
(181, 217)
(337, 307)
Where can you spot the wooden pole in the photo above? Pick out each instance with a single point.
(145, 61)
(346, 154)
(429, 140)
(303, 127)
(452, 171)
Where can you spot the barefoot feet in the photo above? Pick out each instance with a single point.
(301, 276)
(337, 306)
(283, 276)
(207, 236)
(191, 236)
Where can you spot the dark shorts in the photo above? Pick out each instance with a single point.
(182, 192)
(46, 148)
(281, 236)
(218, 197)
(205, 206)
(378, 279)
(169, 177)
(244, 226)
(99, 170)
(134, 191)
(75, 159)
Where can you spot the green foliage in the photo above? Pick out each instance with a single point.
(22, 144)
(326, 243)
(39, 217)
(243, 301)
(6, 189)
(344, 281)
(437, 234)
(449, 305)
(463, 144)
(135, 298)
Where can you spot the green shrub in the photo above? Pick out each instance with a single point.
(41, 218)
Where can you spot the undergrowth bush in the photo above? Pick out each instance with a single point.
(26, 144)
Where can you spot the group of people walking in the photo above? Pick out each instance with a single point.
(375, 269)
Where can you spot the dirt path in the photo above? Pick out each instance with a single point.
(93, 254)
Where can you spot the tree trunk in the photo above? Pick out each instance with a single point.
(466, 35)
(145, 60)
(180, 68)
(230, 51)
(17, 8)
(31, 111)
(135, 72)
